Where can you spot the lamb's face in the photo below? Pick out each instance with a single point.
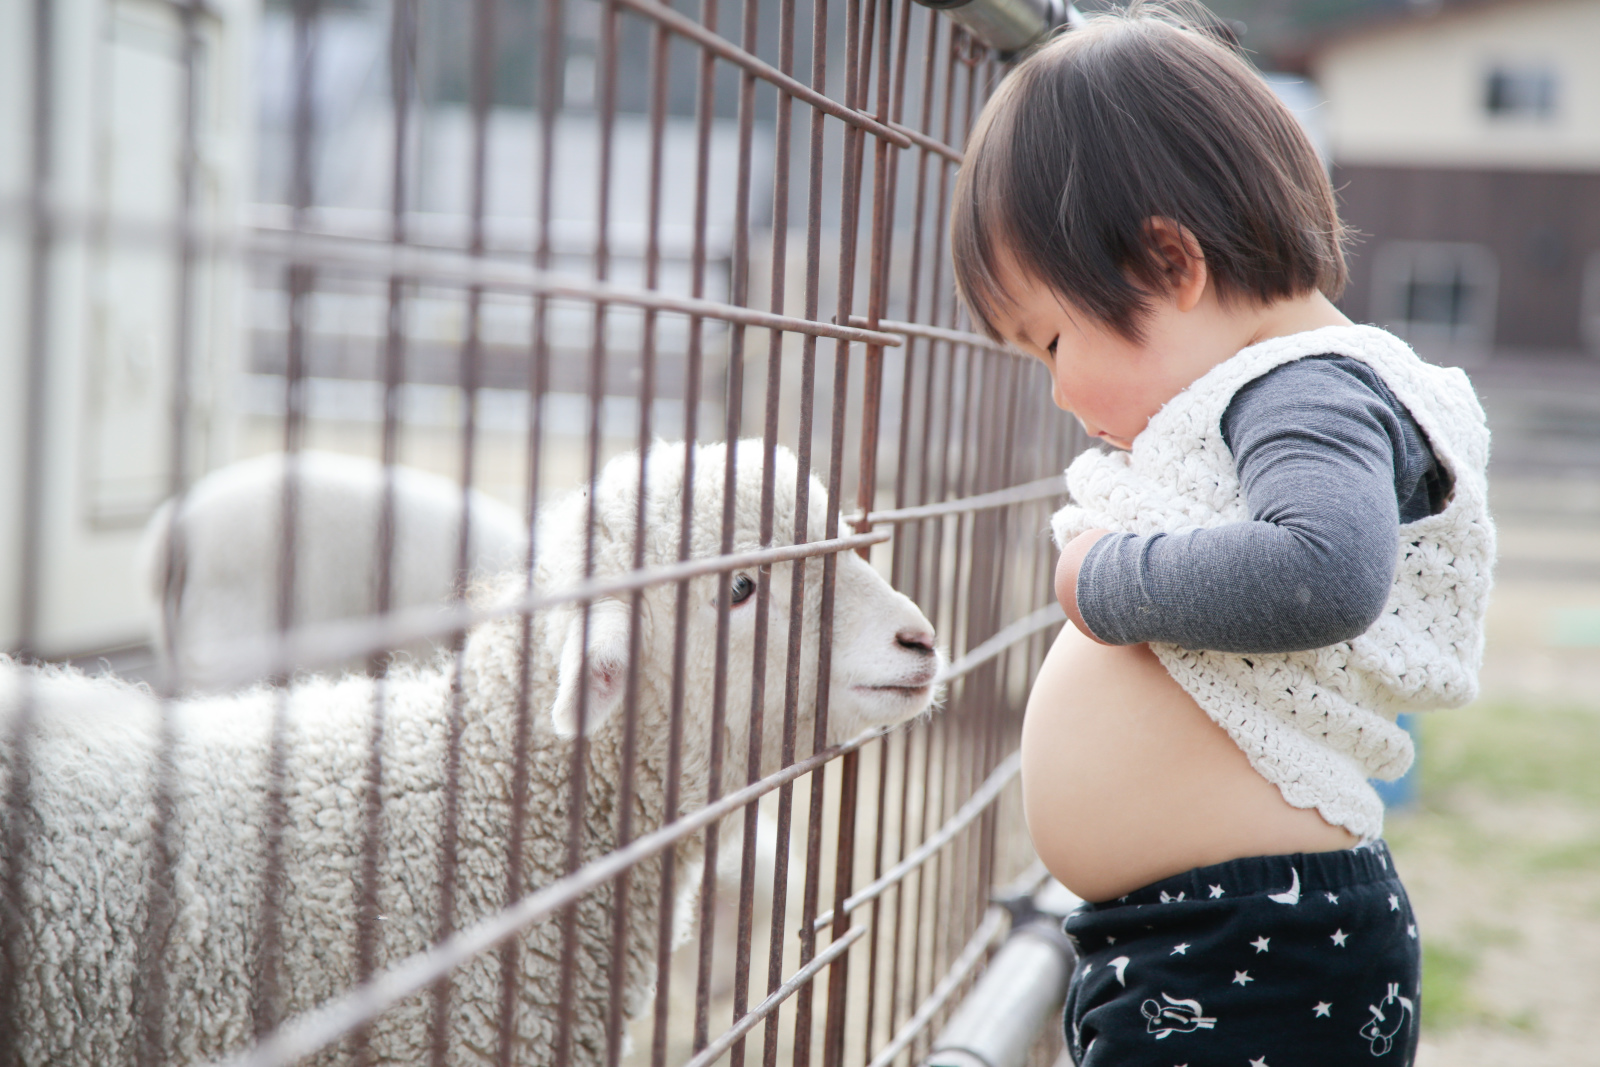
(882, 665)
(883, 659)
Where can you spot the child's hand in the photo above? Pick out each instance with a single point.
(1067, 577)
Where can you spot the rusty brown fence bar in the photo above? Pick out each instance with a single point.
(975, 806)
(533, 238)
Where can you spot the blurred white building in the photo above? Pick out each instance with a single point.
(1466, 143)
(106, 284)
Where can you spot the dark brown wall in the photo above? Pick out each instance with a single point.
(1541, 228)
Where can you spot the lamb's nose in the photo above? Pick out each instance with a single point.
(919, 641)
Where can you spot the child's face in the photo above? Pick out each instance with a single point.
(1113, 385)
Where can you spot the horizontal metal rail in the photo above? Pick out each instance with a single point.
(1042, 489)
(440, 266)
(981, 798)
(718, 45)
(993, 925)
(1016, 633)
(922, 140)
(711, 1052)
(335, 642)
(939, 333)
(459, 269)
(315, 1029)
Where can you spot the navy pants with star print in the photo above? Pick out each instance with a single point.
(1306, 960)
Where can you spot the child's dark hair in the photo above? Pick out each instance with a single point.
(1137, 116)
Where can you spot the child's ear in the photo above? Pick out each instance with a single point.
(1184, 262)
(604, 672)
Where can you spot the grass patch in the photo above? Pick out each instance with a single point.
(1447, 998)
(1513, 750)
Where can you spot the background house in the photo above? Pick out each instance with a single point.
(1466, 144)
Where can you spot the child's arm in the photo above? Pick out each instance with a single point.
(1330, 465)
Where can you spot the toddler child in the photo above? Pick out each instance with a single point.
(1287, 546)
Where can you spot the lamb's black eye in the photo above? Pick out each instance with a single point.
(741, 587)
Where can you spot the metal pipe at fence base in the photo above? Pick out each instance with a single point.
(1008, 26)
(1021, 991)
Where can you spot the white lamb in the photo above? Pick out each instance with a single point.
(93, 754)
(223, 590)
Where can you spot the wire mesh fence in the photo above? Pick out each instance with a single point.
(643, 792)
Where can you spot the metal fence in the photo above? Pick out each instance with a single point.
(540, 234)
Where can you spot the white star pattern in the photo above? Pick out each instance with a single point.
(1261, 943)
(1322, 1010)
(1110, 940)
(1411, 931)
(1242, 978)
(1180, 949)
(1333, 898)
(1339, 937)
(1394, 902)
(1262, 1062)
(1216, 891)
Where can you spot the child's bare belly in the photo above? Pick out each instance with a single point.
(1126, 781)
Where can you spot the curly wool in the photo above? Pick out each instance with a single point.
(89, 777)
(1318, 724)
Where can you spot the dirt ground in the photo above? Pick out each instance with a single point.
(1501, 850)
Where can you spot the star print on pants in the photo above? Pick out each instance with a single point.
(1333, 898)
(1216, 891)
(1180, 949)
(1394, 902)
(1322, 1010)
(1261, 944)
(1262, 1062)
(1242, 978)
(1339, 937)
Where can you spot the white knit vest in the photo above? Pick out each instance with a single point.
(1318, 724)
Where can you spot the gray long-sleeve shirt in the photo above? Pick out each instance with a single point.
(1331, 465)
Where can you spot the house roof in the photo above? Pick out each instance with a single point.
(1320, 26)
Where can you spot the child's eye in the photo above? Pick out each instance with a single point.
(1051, 348)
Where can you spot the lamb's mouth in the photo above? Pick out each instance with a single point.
(909, 692)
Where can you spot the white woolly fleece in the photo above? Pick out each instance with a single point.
(92, 761)
(1318, 724)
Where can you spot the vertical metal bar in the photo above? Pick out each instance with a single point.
(482, 87)
(659, 63)
(783, 132)
(872, 399)
(801, 1055)
(267, 991)
(878, 277)
(850, 764)
(41, 219)
(740, 295)
(41, 207)
(538, 384)
(402, 66)
(606, 74)
(908, 905)
(939, 942)
(615, 1022)
(706, 106)
(152, 989)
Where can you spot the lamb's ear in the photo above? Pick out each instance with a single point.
(607, 668)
